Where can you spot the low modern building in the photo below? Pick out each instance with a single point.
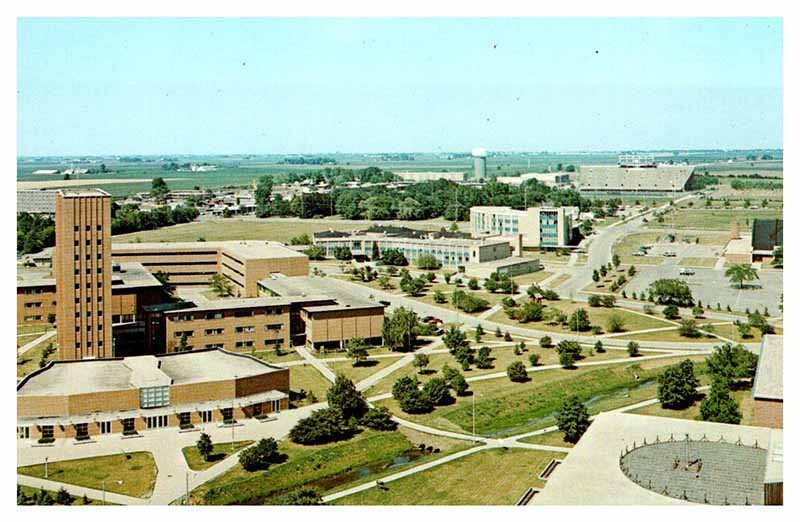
(768, 383)
(634, 174)
(326, 325)
(244, 263)
(630, 459)
(510, 266)
(431, 176)
(81, 399)
(541, 227)
(450, 252)
(37, 202)
(36, 300)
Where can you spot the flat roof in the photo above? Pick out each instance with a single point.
(61, 378)
(248, 302)
(303, 286)
(591, 472)
(242, 249)
(132, 275)
(83, 193)
(509, 261)
(768, 382)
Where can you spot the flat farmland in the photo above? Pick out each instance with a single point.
(716, 219)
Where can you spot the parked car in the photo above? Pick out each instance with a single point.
(385, 303)
(687, 271)
(638, 253)
(670, 253)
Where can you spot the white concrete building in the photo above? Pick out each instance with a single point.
(546, 227)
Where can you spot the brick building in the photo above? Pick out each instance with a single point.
(80, 399)
(243, 263)
(82, 270)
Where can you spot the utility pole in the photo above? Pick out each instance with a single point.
(473, 417)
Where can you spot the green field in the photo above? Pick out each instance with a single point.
(221, 451)
(743, 397)
(551, 438)
(505, 408)
(325, 468)
(29, 361)
(76, 501)
(132, 474)
(490, 477)
(363, 370)
(271, 357)
(717, 219)
(308, 379)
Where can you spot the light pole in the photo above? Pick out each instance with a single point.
(475, 441)
(45, 467)
(233, 412)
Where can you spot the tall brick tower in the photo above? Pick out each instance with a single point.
(82, 268)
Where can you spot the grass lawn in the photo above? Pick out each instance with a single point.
(240, 229)
(713, 219)
(490, 477)
(324, 468)
(534, 277)
(669, 336)
(545, 256)
(731, 332)
(559, 280)
(377, 350)
(698, 262)
(743, 397)
(630, 243)
(33, 329)
(597, 316)
(505, 408)
(363, 370)
(25, 339)
(137, 473)
(603, 286)
(221, 451)
(551, 438)
(271, 357)
(29, 361)
(308, 379)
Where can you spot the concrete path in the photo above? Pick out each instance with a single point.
(317, 363)
(403, 361)
(25, 347)
(720, 264)
(79, 491)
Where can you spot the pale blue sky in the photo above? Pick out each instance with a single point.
(159, 86)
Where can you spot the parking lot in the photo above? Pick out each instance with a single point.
(711, 286)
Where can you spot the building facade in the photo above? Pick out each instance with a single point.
(541, 227)
(768, 383)
(82, 269)
(243, 263)
(82, 399)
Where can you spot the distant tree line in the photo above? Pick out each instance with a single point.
(128, 218)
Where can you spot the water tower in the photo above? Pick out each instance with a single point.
(479, 161)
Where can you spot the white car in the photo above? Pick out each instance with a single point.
(638, 253)
(670, 254)
(686, 271)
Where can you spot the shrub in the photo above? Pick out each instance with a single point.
(407, 393)
(301, 497)
(566, 359)
(437, 392)
(719, 406)
(378, 418)
(534, 359)
(472, 284)
(671, 312)
(459, 384)
(633, 349)
(344, 397)
(598, 347)
(579, 320)
(546, 342)
(595, 300)
(325, 425)
(205, 446)
(572, 419)
(688, 328)
(260, 456)
(427, 262)
(516, 372)
(697, 311)
(615, 323)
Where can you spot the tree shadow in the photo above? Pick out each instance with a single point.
(365, 364)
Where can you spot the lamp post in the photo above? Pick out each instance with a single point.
(45, 467)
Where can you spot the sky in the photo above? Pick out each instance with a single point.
(281, 86)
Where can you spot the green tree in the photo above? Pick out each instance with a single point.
(732, 363)
(615, 260)
(454, 338)
(719, 406)
(671, 312)
(516, 372)
(421, 361)
(688, 328)
(484, 358)
(478, 333)
(598, 347)
(633, 349)
(159, 189)
(459, 384)
(439, 297)
(472, 284)
(579, 320)
(671, 291)
(399, 330)
(204, 446)
(615, 323)
(378, 418)
(357, 350)
(260, 456)
(407, 393)
(315, 253)
(572, 419)
(546, 342)
(301, 497)
(739, 273)
(322, 426)
(63, 497)
(677, 385)
(220, 285)
(427, 262)
(534, 359)
(344, 397)
(392, 256)
(437, 392)
(342, 254)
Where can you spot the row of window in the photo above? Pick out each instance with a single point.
(87, 228)
(220, 331)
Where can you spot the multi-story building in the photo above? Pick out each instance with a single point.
(81, 399)
(543, 227)
(132, 288)
(36, 202)
(82, 269)
(244, 263)
(451, 252)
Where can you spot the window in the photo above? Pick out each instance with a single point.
(275, 342)
(227, 414)
(81, 430)
(23, 432)
(243, 313)
(256, 409)
(219, 346)
(214, 315)
(128, 425)
(154, 396)
(278, 326)
(47, 432)
(244, 344)
(158, 421)
(276, 406)
(185, 418)
(215, 331)
(205, 416)
(105, 427)
(245, 329)
(187, 333)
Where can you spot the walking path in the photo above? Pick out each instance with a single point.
(80, 491)
(316, 363)
(25, 347)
